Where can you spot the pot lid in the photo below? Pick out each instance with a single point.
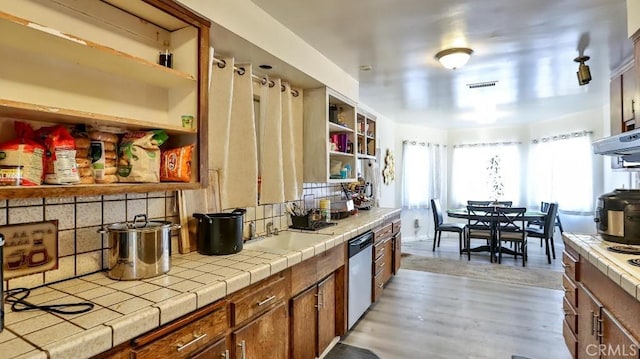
(139, 223)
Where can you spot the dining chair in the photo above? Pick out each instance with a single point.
(546, 232)
(440, 226)
(511, 228)
(503, 203)
(478, 203)
(481, 227)
(539, 223)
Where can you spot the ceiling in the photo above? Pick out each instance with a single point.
(527, 46)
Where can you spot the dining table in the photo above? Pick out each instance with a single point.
(463, 213)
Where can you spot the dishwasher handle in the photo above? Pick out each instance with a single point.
(360, 243)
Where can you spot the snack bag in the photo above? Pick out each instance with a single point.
(60, 165)
(21, 159)
(139, 156)
(175, 164)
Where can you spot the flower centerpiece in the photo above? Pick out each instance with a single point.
(495, 178)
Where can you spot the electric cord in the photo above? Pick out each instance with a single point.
(17, 297)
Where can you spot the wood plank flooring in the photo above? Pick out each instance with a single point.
(429, 315)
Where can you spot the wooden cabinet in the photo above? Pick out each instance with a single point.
(184, 336)
(367, 134)
(397, 244)
(382, 259)
(629, 99)
(217, 350)
(313, 319)
(601, 319)
(317, 307)
(96, 63)
(330, 139)
(264, 337)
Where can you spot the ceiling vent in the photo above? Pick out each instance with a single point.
(482, 84)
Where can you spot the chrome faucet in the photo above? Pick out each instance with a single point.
(269, 229)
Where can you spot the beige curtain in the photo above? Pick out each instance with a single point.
(289, 169)
(240, 175)
(220, 90)
(271, 151)
(298, 135)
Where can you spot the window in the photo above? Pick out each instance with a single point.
(472, 179)
(561, 170)
(424, 172)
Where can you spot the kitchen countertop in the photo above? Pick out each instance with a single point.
(125, 309)
(613, 265)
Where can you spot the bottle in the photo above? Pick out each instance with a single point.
(325, 209)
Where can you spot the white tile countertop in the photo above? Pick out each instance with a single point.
(613, 265)
(125, 309)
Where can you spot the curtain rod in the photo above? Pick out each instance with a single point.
(563, 136)
(263, 80)
(422, 143)
(504, 143)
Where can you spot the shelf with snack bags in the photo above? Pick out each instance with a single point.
(104, 73)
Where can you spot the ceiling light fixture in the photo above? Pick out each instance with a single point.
(584, 75)
(454, 58)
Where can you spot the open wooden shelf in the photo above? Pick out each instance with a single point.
(333, 127)
(48, 42)
(342, 154)
(14, 192)
(28, 111)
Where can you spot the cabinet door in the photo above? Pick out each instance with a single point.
(629, 100)
(217, 350)
(387, 268)
(304, 314)
(263, 337)
(397, 252)
(326, 312)
(618, 342)
(588, 315)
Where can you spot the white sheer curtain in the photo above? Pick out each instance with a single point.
(561, 170)
(424, 170)
(470, 178)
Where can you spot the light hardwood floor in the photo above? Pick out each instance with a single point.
(429, 315)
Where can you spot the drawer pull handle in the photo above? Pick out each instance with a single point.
(244, 349)
(263, 302)
(225, 355)
(380, 286)
(196, 338)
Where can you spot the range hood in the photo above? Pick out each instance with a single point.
(626, 144)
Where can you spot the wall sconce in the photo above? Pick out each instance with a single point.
(584, 75)
(454, 58)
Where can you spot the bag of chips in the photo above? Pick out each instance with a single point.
(175, 164)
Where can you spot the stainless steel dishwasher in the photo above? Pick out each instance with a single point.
(360, 268)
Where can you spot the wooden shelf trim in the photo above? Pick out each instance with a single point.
(343, 154)
(28, 111)
(15, 192)
(337, 128)
(50, 42)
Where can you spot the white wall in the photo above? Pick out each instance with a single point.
(247, 20)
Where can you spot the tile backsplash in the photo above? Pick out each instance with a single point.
(82, 250)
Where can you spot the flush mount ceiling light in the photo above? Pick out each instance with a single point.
(454, 58)
(584, 75)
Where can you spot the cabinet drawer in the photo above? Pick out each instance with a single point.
(570, 339)
(382, 233)
(570, 264)
(185, 340)
(379, 249)
(570, 315)
(262, 298)
(330, 260)
(378, 265)
(378, 284)
(570, 290)
(395, 225)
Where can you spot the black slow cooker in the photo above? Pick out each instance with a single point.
(618, 216)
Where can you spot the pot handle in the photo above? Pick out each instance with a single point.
(202, 216)
(174, 227)
(140, 219)
(240, 211)
(102, 231)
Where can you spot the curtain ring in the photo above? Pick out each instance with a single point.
(241, 71)
(222, 64)
(263, 81)
(282, 88)
(271, 83)
(295, 93)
